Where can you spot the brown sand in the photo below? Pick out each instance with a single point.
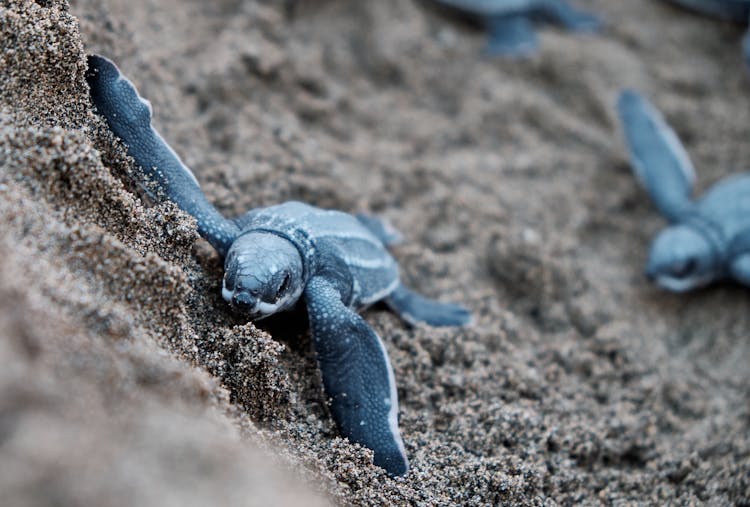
(126, 380)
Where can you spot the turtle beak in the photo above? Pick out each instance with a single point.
(244, 302)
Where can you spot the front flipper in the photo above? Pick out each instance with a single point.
(129, 117)
(357, 376)
(562, 13)
(510, 35)
(415, 308)
(659, 160)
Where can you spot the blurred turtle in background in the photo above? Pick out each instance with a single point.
(708, 238)
(727, 10)
(511, 23)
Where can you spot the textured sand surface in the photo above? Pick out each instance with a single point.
(126, 379)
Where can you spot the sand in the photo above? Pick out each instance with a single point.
(128, 381)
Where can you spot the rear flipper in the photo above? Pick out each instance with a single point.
(380, 228)
(414, 308)
(511, 36)
(659, 160)
(563, 14)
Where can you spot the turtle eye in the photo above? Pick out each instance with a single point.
(283, 287)
(685, 269)
(229, 277)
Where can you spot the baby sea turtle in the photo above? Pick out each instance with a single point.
(273, 257)
(510, 23)
(709, 238)
(727, 10)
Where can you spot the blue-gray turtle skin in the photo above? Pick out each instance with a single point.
(275, 257)
(727, 10)
(510, 23)
(708, 238)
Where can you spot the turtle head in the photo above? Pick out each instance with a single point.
(682, 259)
(262, 274)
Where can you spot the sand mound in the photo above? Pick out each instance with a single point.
(127, 380)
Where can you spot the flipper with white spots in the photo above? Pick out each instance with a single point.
(357, 376)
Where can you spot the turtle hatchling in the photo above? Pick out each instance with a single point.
(726, 10)
(510, 23)
(276, 256)
(708, 239)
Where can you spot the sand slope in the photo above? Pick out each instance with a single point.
(127, 380)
